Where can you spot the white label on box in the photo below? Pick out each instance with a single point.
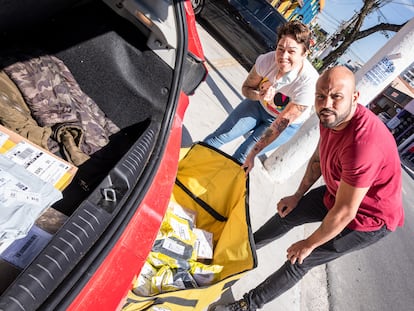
(41, 164)
(3, 138)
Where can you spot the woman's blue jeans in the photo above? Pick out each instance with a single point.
(249, 117)
(310, 209)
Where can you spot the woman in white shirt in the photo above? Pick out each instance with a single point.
(279, 93)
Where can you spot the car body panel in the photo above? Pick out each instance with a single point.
(111, 282)
(91, 261)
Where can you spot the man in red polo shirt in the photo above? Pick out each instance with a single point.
(361, 202)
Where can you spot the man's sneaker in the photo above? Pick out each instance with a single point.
(239, 305)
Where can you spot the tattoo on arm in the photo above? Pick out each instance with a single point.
(278, 126)
(301, 108)
(271, 133)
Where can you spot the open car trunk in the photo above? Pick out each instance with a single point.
(129, 59)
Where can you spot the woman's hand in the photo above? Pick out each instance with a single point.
(248, 163)
(266, 91)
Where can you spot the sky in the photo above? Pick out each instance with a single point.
(336, 11)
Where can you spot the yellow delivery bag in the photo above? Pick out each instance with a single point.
(213, 186)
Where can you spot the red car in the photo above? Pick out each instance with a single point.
(138, 61)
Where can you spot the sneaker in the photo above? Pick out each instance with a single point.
(240, 305)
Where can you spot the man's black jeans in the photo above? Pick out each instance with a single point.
(309, 209)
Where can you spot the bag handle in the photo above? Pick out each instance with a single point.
(200, 202)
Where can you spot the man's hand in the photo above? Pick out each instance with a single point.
(298, 252)
(287, 204)
(248, 163)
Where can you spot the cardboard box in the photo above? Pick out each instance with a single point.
(35, 159)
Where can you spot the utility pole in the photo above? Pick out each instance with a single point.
(386, 65)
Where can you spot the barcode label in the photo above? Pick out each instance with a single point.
(24, 154)
(38, 162)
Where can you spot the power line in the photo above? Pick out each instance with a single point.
(333, 21)
(329, 21)
(404, 3)
(355, 55)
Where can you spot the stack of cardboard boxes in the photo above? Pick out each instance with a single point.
(16, 255)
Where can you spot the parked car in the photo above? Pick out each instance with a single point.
(138, 60)
(246, 28)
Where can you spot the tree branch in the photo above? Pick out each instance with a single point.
(376, 28)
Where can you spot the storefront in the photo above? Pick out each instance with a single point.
(396, 109)
(404, 136)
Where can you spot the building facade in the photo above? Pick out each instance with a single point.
(304, 10)
(395, 107)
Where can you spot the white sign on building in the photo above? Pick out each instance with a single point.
(380, 72)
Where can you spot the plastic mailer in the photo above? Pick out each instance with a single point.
(213, 187)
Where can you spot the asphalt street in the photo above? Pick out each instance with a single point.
(380, 277)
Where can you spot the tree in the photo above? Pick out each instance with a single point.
(353, 33)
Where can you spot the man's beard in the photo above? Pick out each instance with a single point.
(337, 120)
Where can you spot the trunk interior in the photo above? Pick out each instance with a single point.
(110, 60)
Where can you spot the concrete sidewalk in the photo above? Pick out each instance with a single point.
(213, 101)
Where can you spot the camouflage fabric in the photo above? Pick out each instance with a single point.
(54, 97)
(70, 138)
(15, 115)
